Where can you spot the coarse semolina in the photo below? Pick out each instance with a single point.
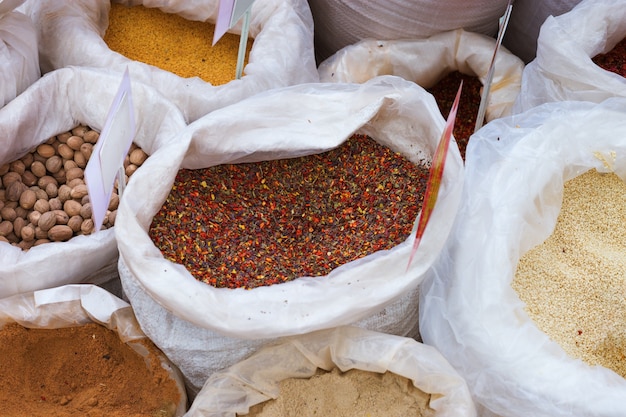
(574, 283)
(173, 43)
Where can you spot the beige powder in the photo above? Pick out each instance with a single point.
(347, 394)
(574, 283)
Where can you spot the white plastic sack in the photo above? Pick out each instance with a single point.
(203, 328)
(426, 61)
(526, 19)
(233, 391)
(71, 33)
(515, 172)
(563, 69)
(78, 305)
(19, 56)
(339, 23)
(56, 103)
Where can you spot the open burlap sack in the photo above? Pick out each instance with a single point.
(56, 103)
(78, 305)
(427, 60)
(516, 168)
(256, 379)
(563, 69)
(71, 33)
(203, 328)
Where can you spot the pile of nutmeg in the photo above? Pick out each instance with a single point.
(43, 195)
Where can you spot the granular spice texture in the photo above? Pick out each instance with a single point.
(346, 394)
(80, 371)
(173, 43)
(574, 283)
(614, 60)
(258, 224)
(445, 91)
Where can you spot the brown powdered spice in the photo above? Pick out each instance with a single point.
(346, 394)
(173, 43)
(574, 283)
(85, 370)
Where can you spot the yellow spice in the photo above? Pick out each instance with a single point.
(574, 283)
(173, 43)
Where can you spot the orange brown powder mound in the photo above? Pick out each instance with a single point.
(173, 43)
(85, 370)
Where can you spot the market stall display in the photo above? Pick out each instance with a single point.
(72, 34)
(203, 328)
(333, 367)
(58, 108)
(77, 349)
(515, 173)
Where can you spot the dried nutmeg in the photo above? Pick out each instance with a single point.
(63, 137)
(41, 205)
(74, 223)
(47, 220)
(15, 190)
(28, 232)
(55, 204)
(45, 150)
(29, 178)
(74, 142)
(80, 130)
(72, 207)
(85, 211)
(60, 233)
(73, 173)
(91, 136)
(27, 199)
(54, 164)
(138, 156)
(8, 213)
(18, 224)
(10, 177)
(6, 227)
(65, 151)
(79, 191)
(62, 217)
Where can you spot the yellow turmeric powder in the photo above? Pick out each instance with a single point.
(173, 43)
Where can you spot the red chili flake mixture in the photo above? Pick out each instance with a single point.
(259, 224)
(445, 91)
(614, 60)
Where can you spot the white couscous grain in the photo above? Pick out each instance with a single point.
(574, 283)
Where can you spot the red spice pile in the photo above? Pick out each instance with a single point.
(614, 60)
(445, 91)
(258, 224)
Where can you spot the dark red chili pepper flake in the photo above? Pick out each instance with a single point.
(614, 60)
(445, 91)
(258, 224)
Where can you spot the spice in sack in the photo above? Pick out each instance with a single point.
(85, 370)
(43, 195)
(574, 283)
(342, 394)
(445, 91)
(173, 43)
(258, 224)
(614, 60)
